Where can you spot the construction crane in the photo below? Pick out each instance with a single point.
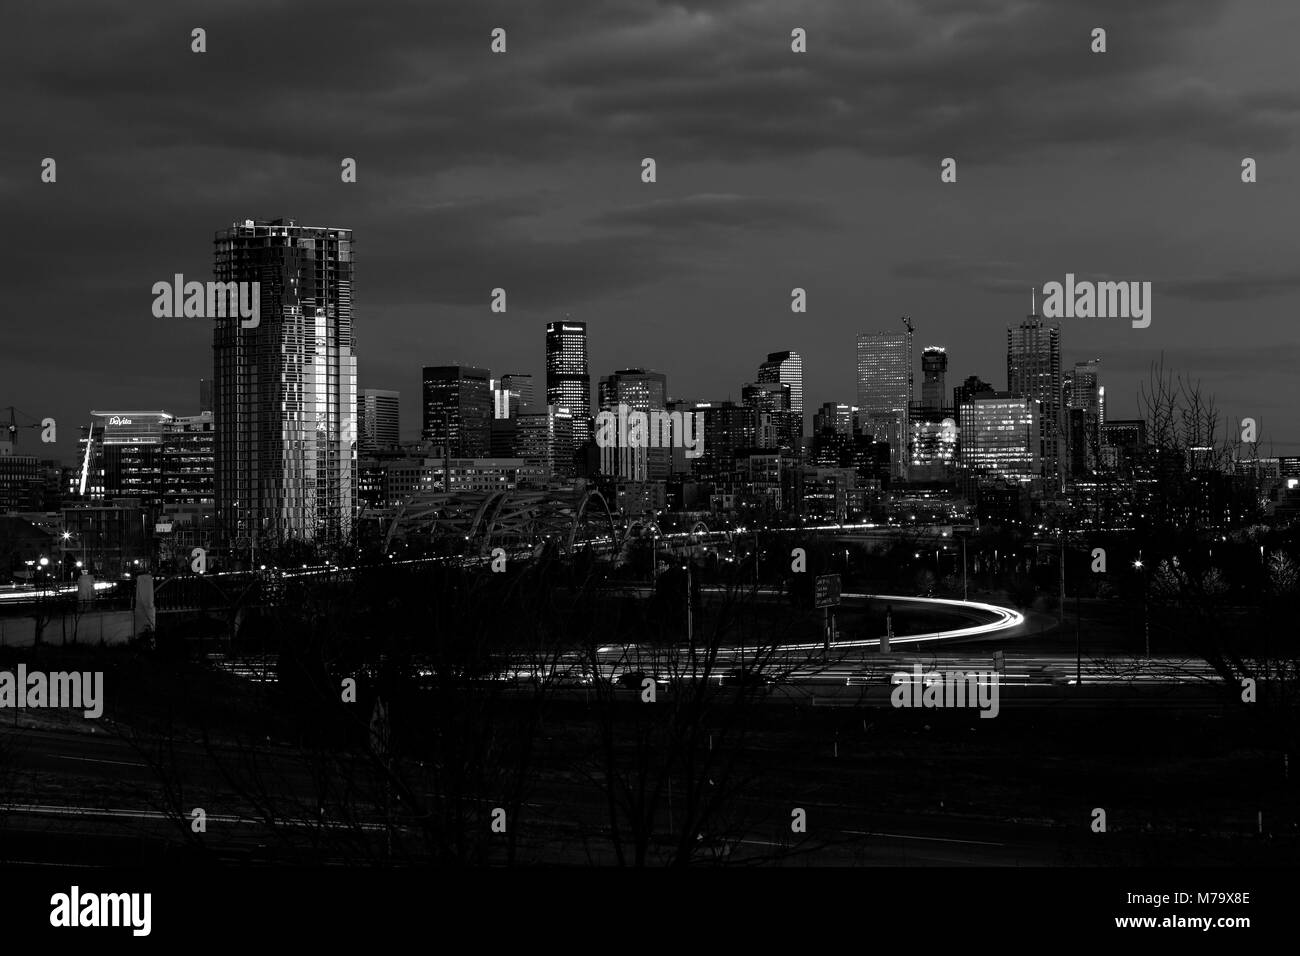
(11, 430)
(907, 321)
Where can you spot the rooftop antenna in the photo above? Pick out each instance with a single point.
(1033, 300)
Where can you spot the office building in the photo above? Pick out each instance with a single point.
(835, 417)
(934, 368)
(1000, 438)
(775, 423)
(885, 390)
(520, 390)
(27, 483)
(1083, 396)
(122, 456)
(457, 413)
(728, 427)
(568, 374)
(973, 385)
(1034, 370)
(786, 368)
(378, 419)
(641, 391)
(543, 438)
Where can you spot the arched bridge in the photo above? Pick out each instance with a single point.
(476, 522)
(511, 519)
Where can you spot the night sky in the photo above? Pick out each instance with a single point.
(775, 170)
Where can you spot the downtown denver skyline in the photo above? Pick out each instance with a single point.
(522, 171)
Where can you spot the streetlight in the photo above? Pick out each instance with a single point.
(1146, 616)
(964, 593)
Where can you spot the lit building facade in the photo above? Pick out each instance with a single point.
(1034, 371)
(568, 374)
(641, 391)
(1000, 438)
(934, 369)
(885, 390)
(775, 423)
(378, 412)
(285, 391)
(786, 368)
(457, 409)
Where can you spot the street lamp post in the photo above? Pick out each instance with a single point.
(1146, 615)
(1061, 613)
(654, 559)
(964, 593)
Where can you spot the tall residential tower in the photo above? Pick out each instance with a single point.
(285, 391)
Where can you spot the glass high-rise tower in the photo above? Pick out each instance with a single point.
(458, 409)
(285, 391)
(568, 374)
(885, 390)
(642, 391)
(1034, 370)
(934, 365)
(378, 415)
(787, 369)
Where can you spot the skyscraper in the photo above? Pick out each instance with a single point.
(543, 437)
(285, 391)
(642, 391)
(378, 414)
(932, 427)
(520, 387)
(834, 417)
(972, 386)
(457, 413)
(568, 374)
(934, 365)
(787, 369)
(1000, 437)
(188, 486)
(1084, 415)
(1034, 370)
(885, 389)
(775, 423)
(727, 427)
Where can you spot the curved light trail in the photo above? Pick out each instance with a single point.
(1004, 619)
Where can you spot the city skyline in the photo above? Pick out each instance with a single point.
(547, 203)
(543, 437)
(412, 428)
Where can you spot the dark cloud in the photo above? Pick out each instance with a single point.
(722, 210)
(988, 275)
(1232, 287)
(522, 171)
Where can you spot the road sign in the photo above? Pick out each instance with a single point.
(826, 590)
